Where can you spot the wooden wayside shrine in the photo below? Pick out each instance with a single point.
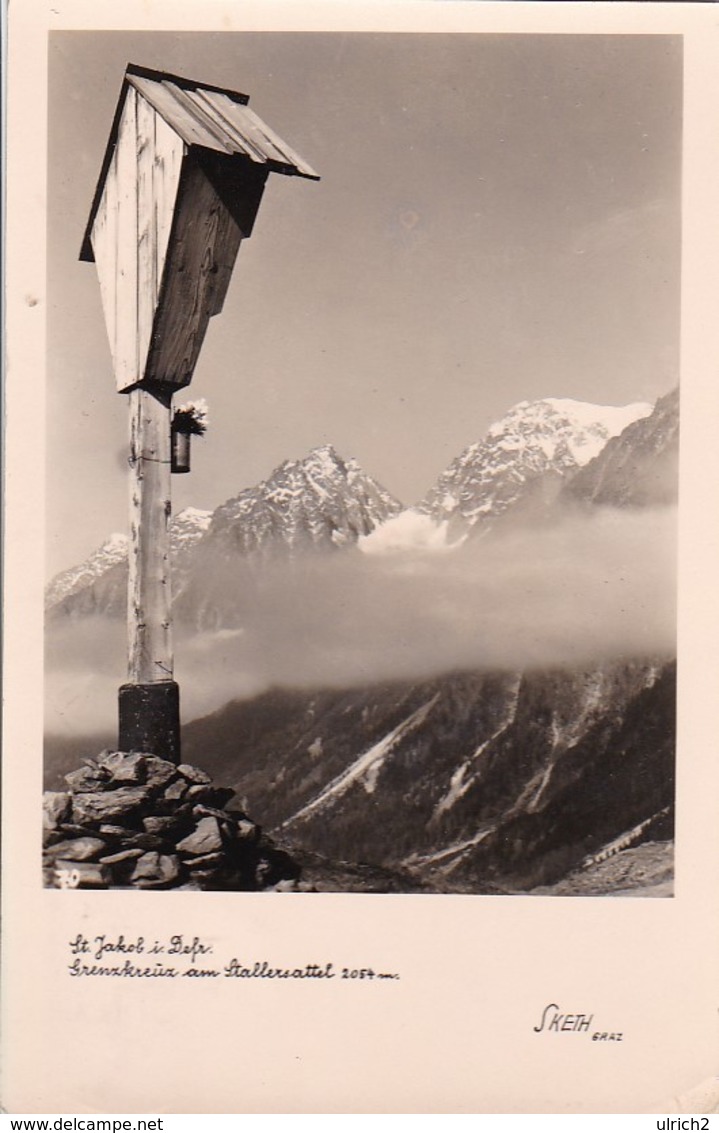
(179, 189)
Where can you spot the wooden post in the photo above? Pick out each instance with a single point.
(149, 702)
(181, 182)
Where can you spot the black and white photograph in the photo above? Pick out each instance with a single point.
(362, 462)
(360, 558)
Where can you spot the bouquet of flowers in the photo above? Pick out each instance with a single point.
(191, 419)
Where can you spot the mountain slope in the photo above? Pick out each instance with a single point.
(501, 779)
(638, 468)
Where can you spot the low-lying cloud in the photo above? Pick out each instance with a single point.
(584, 590)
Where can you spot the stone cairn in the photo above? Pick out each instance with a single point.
(131, 820)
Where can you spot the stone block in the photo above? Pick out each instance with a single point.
(81, 875)
(73, 830)
(77, 850)
(155, 869)
(237, 806)
(205, 861)
(159, 772)
(111, 830)
(176, 791)
(169, 868)
(124, 766)
(206, 838)
(86, 779)
(55, 808)
(147, 867)
(208, 795)
(194, 774)
(165, 825)
(100, 805)
(146, 841)
(202, 810)
(122, 856)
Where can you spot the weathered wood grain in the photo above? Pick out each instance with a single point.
(150, 657)
(147, 251)
(104, 246)
(287, 155)
(188, 101)
(163, 100)
(169, 153)
(223, 108)
(210, 118)
(159, 153)
(126, 352)
(131, 233)
(206, 239)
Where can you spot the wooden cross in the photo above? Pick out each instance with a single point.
(179, 189)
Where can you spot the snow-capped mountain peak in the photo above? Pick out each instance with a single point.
(319, 501)
(553, 422)
(76, 578)
(530, 449)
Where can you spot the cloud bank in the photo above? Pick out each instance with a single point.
(586, 589)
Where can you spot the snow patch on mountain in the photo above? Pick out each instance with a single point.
(466, 774)
(458, 786)
(366, 769)
(187, 528)
(456, 851)
(585, 427)
(193, 517)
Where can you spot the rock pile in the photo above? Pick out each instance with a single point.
(133, 820)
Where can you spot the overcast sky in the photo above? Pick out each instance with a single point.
(498, 219)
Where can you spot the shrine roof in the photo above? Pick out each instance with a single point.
(205, 116)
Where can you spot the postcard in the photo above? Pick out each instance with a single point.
(360, 558)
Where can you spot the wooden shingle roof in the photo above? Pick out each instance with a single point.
(205, 116)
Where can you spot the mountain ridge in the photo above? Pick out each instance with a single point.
(322, 502)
